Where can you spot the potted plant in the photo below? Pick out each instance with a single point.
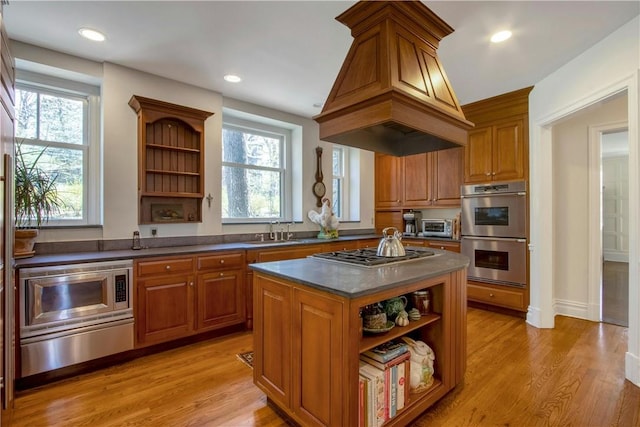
(36, 199)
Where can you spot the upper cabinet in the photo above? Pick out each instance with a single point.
(170, 161)
(420, 180)
(497, 148)
(389, 181)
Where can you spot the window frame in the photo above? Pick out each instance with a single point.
(91, 144)
(285, 138)
(343, 180)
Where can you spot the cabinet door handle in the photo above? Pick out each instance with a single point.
(190, 283)
(221, 274)
(488, 173)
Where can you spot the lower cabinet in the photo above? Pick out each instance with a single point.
(444, 245)
(307, 346)
(299, 351)
(181, 296)
(501, 296)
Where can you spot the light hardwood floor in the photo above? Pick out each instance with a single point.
(517, 375)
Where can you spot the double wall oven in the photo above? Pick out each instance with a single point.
(494, 230)
(74, 313)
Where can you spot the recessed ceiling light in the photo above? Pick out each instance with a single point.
(90, 34)
(500, 36)
(232, 78)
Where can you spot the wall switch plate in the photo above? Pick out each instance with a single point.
(154, 232)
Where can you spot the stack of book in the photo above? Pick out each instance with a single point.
(384, 383)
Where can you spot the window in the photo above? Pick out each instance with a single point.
(340, 181)
(254, 173)
(63, 122)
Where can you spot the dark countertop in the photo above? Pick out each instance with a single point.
(97, 256)
(354, 281)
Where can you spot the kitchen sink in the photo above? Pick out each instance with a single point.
(275, 242)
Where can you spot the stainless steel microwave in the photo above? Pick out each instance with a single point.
(437, 227)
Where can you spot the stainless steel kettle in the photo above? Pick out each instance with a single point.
(390, 245)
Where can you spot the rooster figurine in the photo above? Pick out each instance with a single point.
(326, 219)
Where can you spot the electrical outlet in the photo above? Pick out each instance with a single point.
(154, 232)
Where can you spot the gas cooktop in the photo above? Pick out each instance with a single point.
(369, 257)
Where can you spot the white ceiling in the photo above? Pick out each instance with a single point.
(289, 52)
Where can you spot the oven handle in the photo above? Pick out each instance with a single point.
(474, 196)
(503, 239)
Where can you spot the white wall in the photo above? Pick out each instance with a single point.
(609, 67)
(120, 150)
(571, 203)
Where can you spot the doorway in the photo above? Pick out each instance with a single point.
(614, 173)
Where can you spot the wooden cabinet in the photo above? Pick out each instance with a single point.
(420, 180)
(164, 300)
(272, 339)
(182, 296)
(220, 292)
(319, 385)
(317, 393)
(447, 175)
(433, 179)
(496, 153)
(444, 245)
(315, 356)
(497, 149)
(272, 254)
(501, 296)
(368, 243)
(386, 219)
(417, 179)
(171, 161)
(389, 181)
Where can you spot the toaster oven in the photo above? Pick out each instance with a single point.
(437, 227)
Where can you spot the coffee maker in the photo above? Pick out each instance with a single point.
(411, 221)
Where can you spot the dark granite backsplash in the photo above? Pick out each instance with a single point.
(46, 248)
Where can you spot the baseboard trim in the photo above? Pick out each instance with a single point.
(572, 309)
(632, 368)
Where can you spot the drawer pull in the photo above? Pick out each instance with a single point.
(221, 274)
(221, 261)
(168, 267)
(491, 295)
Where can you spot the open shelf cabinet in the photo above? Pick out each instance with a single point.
(171, 161)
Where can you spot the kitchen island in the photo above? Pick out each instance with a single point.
(308, 332)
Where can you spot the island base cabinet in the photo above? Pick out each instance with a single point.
(298, 335)
(272, 339)
(317, 359)
(308, 344)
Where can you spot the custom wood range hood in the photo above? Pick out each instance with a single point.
(392, 94)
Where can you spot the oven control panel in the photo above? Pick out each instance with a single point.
(121, 288)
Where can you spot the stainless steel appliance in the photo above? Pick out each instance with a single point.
(494, 229)
(437, 228)
(497, 210)
(74, 313)
(411, 222)
(370, 258)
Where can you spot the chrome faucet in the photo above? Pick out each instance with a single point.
(289, 233)
(273, 234)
